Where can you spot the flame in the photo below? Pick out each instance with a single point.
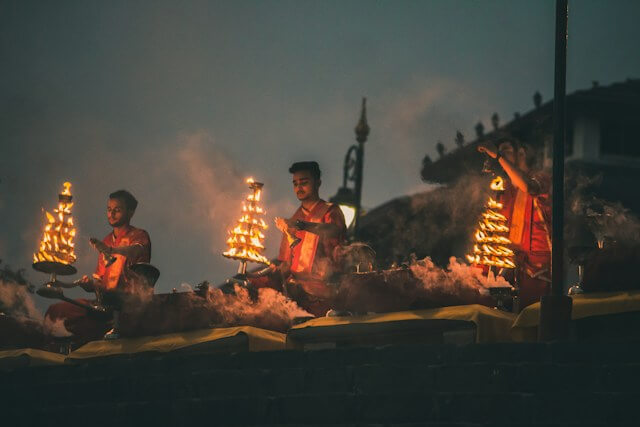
(492, 204)
(57, 243)
(491, 244)
(246, 238)
(497, 184)
(67, 189)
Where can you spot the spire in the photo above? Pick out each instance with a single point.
(362, 128)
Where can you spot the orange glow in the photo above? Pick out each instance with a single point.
(57, 243)
(246, 239)
(492, 204)
(491, 244)
(497, 184)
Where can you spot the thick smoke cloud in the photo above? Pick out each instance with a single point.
(420, 285)
(270, 310)
(55, 328)
(606, 220)
(267, 309)
(456, 279)
(17, 302)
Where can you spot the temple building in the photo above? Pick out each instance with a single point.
(599, 140)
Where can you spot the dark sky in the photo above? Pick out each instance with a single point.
(180, 101)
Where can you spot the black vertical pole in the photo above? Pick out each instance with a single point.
(555, 309)
(559, 118)
(362, 132)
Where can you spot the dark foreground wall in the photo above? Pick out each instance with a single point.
(579, 384)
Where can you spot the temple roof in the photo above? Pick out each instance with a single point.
(536, 126)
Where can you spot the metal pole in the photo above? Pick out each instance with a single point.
(359, 168)
(555, 309)
(559, 118)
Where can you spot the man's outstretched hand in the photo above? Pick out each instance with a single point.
(86, 283)
(100, 246)
(284, 225)
(489, 148)
(288, 229)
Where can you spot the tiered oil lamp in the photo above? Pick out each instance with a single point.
(56, 253)
(246, 239)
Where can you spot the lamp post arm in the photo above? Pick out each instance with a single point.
(349, 163)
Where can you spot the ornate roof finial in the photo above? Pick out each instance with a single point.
(495, 121)
(362, 128)
(537, 99)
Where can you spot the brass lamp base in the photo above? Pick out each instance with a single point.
(57, 268)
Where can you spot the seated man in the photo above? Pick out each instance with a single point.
(309, 244)
(527, 205)
(119, 250)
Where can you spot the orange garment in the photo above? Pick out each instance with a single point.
(529, 224)
(87, 326)
(313, 260)
(304, 270)
(116, 275)
(529, 215)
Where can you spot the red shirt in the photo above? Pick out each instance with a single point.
(115, 275)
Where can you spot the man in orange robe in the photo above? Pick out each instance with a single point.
(527, 204)
(308, 250)
(119, 250)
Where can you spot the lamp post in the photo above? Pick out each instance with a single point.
(349, 198)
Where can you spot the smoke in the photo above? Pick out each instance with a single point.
(457, 279)
(606, 220)
(422, 285)
(438, 223)
(433, 109)
(214, 185)
(206, 308)
(185, 287)
(55, 328)
(16, 301)
(612, 221)
(270, 310)
(356, 256)
(188, 185)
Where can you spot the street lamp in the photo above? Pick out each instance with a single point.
(346, 200)
(349, 198)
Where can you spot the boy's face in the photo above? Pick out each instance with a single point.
(117, 213)
(305, 185)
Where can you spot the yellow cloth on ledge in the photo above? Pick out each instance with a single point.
(258, 340)
(491, 325)
(35, 357)
(584, 305)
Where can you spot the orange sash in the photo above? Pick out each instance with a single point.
(303, 258)
(518, 217)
